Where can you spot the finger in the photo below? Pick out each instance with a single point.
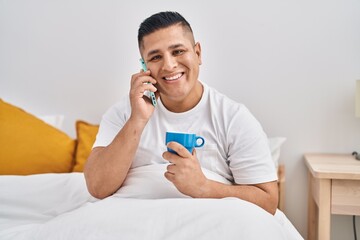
(171, 168)
(151, 87)
(139, 91)
(179, 149)
(141, 73)
(169, 176)
(141, 78)
(171, 157)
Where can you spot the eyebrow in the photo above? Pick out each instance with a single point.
(152, 52)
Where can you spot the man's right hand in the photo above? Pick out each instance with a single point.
(141, 106)
(107, 167)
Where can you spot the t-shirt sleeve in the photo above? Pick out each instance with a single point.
(111, 123)
(249, 153)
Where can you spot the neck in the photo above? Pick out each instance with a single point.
(186, 103)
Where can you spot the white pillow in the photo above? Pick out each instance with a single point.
(53, 120)
(275, 146)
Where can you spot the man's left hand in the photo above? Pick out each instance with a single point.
(184, 171)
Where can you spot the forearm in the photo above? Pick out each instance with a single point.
(264, 195)
(106, 168)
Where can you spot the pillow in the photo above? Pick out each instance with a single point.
(86, 135)
(275, 146)
(28, 145)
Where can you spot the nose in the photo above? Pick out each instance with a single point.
(169, 63)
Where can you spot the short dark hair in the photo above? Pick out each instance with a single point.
(159, 21)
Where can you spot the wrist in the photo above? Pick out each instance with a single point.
(137, 122)
(206, 189)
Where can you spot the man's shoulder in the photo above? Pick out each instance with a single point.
(220, 99)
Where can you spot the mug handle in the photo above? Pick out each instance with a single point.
(202, 141)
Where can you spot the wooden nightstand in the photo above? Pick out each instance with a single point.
(334, 188)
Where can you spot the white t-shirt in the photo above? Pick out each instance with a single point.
(235, 146)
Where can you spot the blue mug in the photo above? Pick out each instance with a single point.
(188, 140)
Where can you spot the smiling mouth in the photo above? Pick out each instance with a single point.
(174, 77)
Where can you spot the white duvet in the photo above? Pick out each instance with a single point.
(58, 206)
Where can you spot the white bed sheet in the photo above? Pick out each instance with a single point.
(58, 206)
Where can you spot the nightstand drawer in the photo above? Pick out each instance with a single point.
(345, 197)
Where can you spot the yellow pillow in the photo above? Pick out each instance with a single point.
(29, 146)
(86, 135)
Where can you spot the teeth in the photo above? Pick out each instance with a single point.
(177, 76)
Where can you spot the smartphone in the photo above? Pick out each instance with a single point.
(152, 95)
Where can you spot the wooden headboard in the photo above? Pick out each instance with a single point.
(281, 186)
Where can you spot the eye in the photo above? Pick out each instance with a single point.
(178, 52)
(155, 58)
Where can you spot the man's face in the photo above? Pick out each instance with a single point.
(173, 59)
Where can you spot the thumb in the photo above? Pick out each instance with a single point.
(157, 94)
(194, 152)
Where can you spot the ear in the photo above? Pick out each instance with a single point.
(198, 51)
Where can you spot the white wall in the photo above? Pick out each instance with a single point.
(293, 63)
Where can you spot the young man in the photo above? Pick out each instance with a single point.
(132, 132)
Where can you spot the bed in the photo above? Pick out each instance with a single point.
(43, 199)
(58, 206)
